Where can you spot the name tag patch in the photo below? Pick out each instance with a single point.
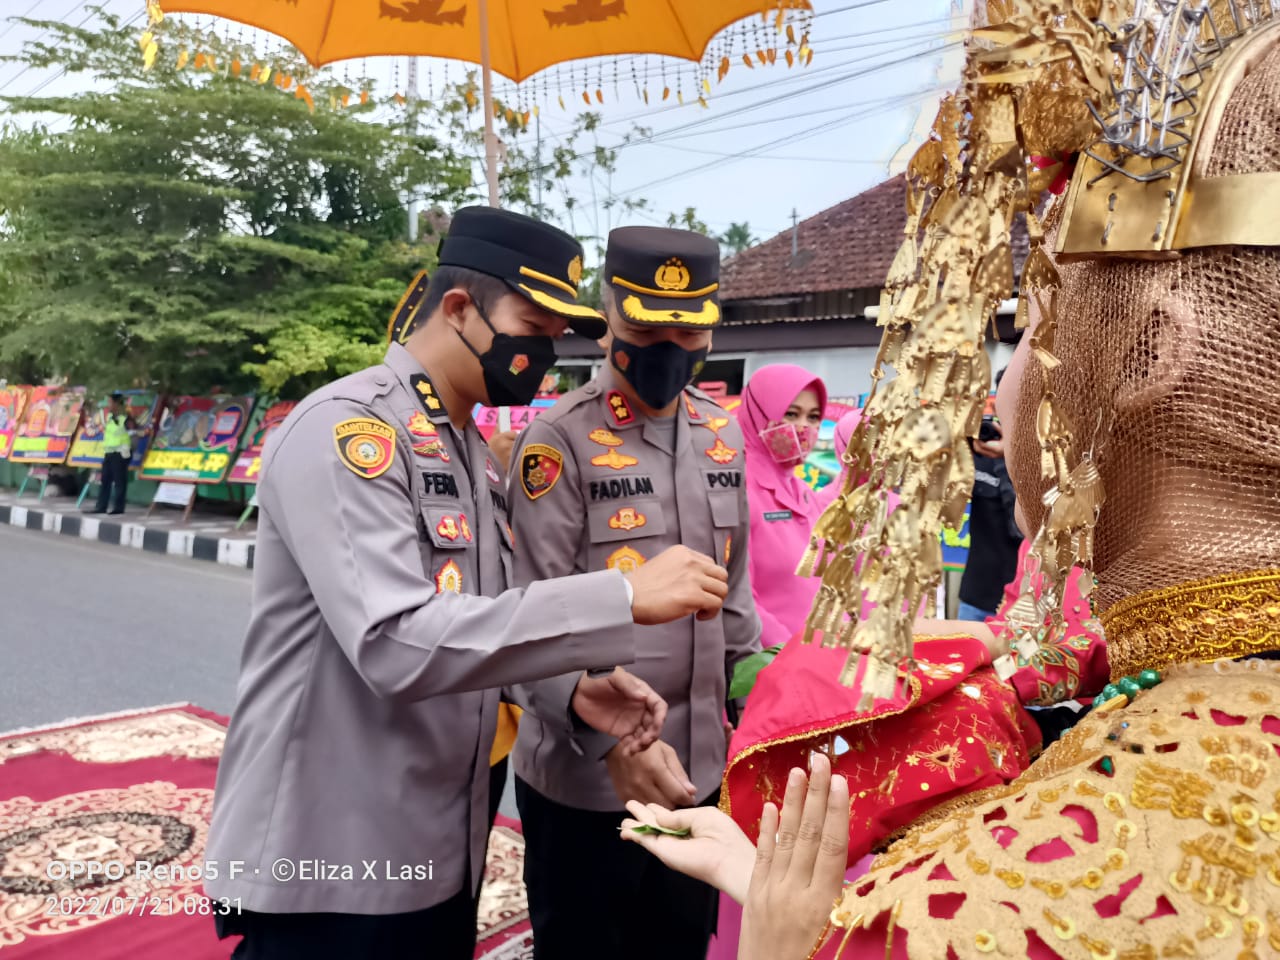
(723, 479)
(620, 487)
(775, 515)
(440, 484)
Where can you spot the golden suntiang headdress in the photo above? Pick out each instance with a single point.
(1131, 88)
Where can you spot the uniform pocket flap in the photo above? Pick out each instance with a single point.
(724, 508)
(447, 528)
(607, 522)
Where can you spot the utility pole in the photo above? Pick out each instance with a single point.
(795, 233)
(411, 103)
(537, 158)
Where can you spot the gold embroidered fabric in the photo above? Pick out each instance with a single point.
(1148, 831)
(1231, 617)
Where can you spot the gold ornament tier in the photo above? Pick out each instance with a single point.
(1219, 618)
(1148, 831)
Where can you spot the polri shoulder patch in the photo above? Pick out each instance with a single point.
(366, 447)
(540, 469)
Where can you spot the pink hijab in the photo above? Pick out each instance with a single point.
(783, 508)
(840, 440)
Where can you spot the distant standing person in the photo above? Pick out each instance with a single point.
(117, 445)
(994, 537)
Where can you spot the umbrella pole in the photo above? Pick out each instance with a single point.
(490, 141)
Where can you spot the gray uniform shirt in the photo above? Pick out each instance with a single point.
(620, 494)
(382, 628)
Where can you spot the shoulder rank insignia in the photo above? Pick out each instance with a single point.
(614, 460)
(464, 527)
(605, 438)
(426, 393)
(491, 471)
(721, 453)
(620, 409)
(540, 469)
(425, 438)
(447, 528)
(691, 409)
(449, 579)
(624, 559)
(366, 447)
(628, 518)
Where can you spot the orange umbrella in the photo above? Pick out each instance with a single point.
(517, 38)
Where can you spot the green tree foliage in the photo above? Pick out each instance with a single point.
(194, 229)
(737, 238)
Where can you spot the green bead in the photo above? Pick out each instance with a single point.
(1109, 692)
(1148, 678)
(1107, 766)
(1129, 687)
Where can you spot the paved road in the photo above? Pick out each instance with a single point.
(87, 628)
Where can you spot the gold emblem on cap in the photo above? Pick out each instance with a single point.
(672, 275)
(575, 271)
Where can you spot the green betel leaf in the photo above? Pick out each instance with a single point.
(650, 830)
(746, 671)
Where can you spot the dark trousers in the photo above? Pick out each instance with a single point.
(115, 480)
(593, 895)
(446, 931)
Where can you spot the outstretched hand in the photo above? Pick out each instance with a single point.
(800, 866)
(622, 706)
(716, 851)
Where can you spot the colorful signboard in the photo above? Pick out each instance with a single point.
(197, 439)
(86, 449)
(250, 460)
(45, 432)
(13, 404)
(487, 418)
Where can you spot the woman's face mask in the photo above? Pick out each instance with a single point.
(788, 443)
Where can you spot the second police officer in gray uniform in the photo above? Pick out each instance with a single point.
(350, 816)
(615, 473)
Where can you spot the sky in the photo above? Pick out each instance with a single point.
(771, 142)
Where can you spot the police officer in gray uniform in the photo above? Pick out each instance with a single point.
(613, 474)
(350, 816)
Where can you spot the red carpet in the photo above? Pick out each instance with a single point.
(140, 787)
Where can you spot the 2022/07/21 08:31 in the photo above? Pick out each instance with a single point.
(191, 905)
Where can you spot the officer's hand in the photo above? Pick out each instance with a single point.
(501, 444)
(676, 583)
(650, 776)
(623, 706)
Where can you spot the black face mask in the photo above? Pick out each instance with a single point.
(659, 371)
(513, 366)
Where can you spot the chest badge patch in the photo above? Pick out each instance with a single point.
(614, 460)
(425, 438)
(491, 471)
(448, 528)
(620, 409)
(540, 469)
(606, 438)
(366, 447)
(625, 560)
(728, 548)
(449, 579)
(628, 518)
(715, 424)
(722, 453)
(464, 528)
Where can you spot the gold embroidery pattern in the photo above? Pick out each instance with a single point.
(1147, 831)
(1222, 617)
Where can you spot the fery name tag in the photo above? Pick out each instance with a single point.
(775, 515)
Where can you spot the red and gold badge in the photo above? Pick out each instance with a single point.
(519, 364)
(621, 360)
(628, 518)
(425, 438)
(728, 548)
(449, 579)
(464, 527)
(614, 460)
(721, 453)
(366, 447)
(540, 469)
(715, 424)
(620, 409)
(447, 528)
(606, 438)
(691, 409)
(625, 559)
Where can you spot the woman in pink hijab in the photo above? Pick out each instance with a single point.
(782, 407)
